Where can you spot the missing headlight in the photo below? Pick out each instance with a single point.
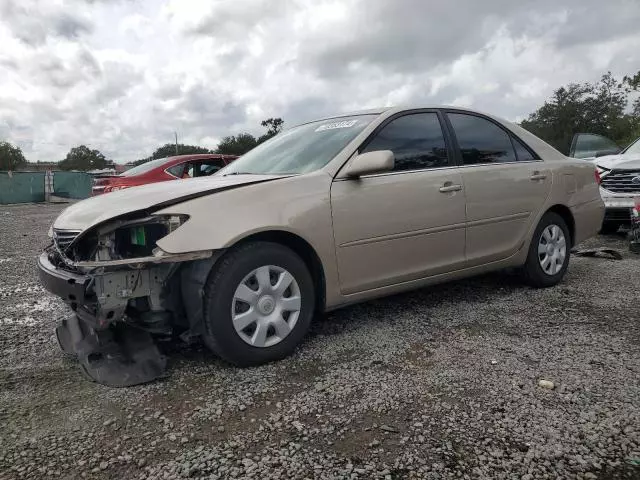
(138, 240)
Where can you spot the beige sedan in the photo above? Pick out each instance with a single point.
(326, 214)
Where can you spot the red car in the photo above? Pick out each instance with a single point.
(161, 170)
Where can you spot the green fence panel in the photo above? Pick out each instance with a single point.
(21, 187)
(72, 184)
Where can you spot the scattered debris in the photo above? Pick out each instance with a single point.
(455, 415)
(388, 428)
(548, 384)
(598, 252)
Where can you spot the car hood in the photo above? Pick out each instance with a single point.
(628, 162)
(95, 210)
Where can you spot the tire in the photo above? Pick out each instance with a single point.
(609, 228)
(236, 270)
(534, 273)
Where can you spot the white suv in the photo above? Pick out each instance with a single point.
(619, 171)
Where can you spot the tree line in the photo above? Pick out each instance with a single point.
(609, 107)
(84, 158)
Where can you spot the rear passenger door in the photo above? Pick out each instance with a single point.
(506, 185)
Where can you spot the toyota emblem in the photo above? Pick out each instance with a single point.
(635, 180)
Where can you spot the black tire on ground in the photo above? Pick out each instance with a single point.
(220, 335)
(533, 273)
(609, 228)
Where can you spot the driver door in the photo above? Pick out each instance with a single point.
(406, 224)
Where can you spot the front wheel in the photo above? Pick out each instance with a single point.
(548, 256)
(258, 304)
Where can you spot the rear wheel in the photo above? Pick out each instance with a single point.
(258, 304)
(609, 228)
(548, 256)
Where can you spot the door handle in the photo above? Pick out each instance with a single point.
(450, 187)
(537, 176)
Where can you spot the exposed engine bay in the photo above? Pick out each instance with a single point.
(124, 292)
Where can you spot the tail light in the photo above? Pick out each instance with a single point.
(598, 178)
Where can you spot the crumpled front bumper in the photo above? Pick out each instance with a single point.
(114, 354)
(69, 286)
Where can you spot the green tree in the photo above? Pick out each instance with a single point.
(273, 126)
(83, 158)
(11, 157)
(600, 108)
(237, 144)
(169, 150)
(243, 142)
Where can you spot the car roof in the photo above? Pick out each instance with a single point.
(401, 108)
(170, 161)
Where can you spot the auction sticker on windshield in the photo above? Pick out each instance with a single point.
(334, 125)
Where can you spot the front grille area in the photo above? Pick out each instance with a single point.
(64, 238)
(622, 181)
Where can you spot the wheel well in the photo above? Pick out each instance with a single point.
(567, 216)
(305, 251)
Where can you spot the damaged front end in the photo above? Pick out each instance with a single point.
(124, 292)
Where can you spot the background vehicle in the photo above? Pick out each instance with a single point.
(323, 215)
(163, 169)
(619, 171)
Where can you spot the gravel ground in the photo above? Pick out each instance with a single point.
(438, 383)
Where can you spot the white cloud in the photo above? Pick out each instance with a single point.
(121, 76)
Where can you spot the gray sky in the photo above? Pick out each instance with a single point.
(122, 75)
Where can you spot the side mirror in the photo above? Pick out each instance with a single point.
(371, 162)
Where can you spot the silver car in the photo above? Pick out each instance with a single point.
(326, 214)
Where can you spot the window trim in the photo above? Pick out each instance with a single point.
(406, 113)
(510, 134)
(225, 159)
(385, 122)
(515, 139)
(200, 161)
(182, 164)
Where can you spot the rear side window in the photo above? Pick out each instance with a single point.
(522, 153)
(480, 140)
(416, 141)
(176, 170)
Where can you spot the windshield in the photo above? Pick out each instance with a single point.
(633, 149)
(302, 149)
(144, 168)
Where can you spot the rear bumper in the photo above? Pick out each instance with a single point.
(71, 287)
(588, 219)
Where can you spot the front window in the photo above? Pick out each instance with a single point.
(302, 149)
(633, 149)
(416, 141)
